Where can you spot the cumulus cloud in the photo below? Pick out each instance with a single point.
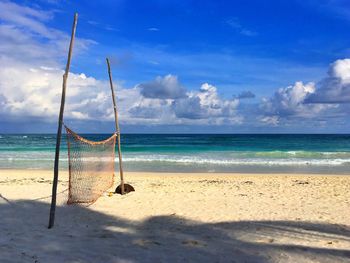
(150, 110)
(189, 108)
(31, 70)
(167, 87)
(203, 106)
(289, 102)
(328, 99)
(35, 92)
(208, 106)
(335, 88)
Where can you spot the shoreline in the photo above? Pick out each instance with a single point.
(180, 173)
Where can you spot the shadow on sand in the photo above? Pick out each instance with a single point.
(84, 235)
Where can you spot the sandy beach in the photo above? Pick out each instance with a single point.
(180, 218)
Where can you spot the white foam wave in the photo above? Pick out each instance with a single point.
(195, 160)
(227, 162)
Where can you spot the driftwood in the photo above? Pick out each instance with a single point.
(60, 121)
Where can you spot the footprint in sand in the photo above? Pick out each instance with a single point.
(193, 243)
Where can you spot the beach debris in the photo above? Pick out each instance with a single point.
(213, 181)
(158, 184)
(300, 182)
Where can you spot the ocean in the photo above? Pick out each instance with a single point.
(250, 153)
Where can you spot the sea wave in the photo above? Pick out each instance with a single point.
(191, 160)
(296, 154)
(271, 158)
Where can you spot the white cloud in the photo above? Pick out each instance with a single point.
(167, 87)
(26, 37)
(26, 17)
(335, 88)
(270, 120)
(328, 100)
(207, 107)
(194, 107)
(30, 66)
(151, 111)
(35, 92)
(289, 102)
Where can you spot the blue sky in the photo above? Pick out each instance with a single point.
(180, 66)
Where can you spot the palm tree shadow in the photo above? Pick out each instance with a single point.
(84, 235)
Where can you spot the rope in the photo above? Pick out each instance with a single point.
(89, 141)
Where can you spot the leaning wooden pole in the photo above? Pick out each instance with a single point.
(60, 121)
(116, 128)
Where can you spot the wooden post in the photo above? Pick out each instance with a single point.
(59, 130)
(117, 128)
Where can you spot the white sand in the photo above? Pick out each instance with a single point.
(180, 218)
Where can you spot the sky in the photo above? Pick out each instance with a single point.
(247, 66)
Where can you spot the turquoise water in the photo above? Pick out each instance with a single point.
(195, 152)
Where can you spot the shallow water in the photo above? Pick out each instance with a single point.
(195, 152)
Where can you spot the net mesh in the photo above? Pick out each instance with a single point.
(91, 167)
